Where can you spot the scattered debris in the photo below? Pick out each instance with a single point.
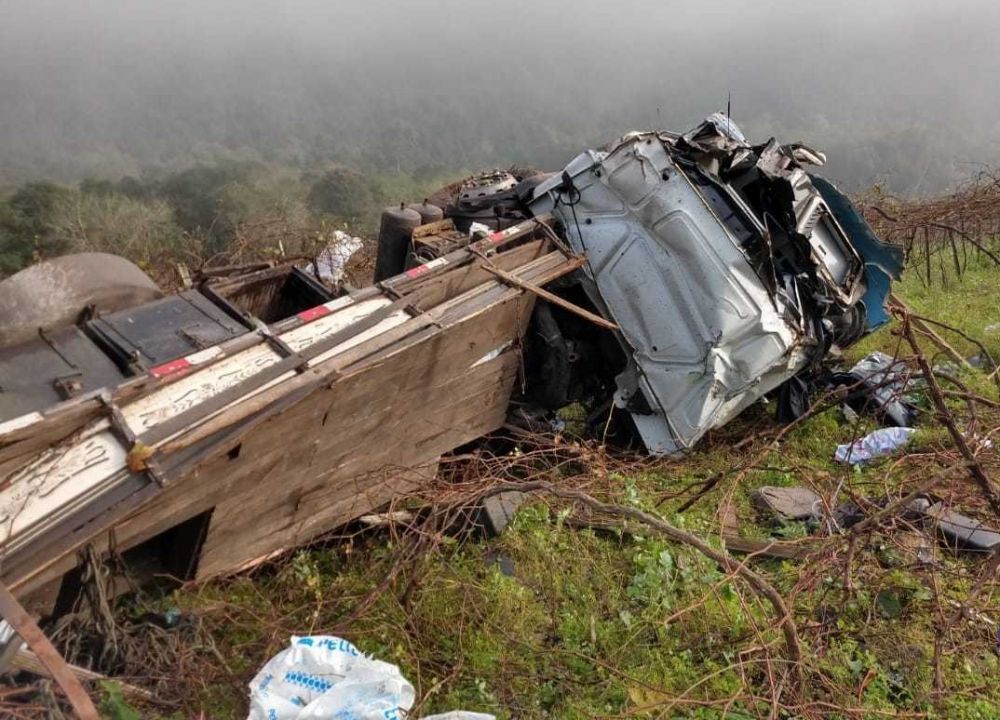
(325, 676)
(395, 517)
(503, 562)
(331, 262)
(883, 385)
(789, 503)
(957, 530)
(875, 444)
(498, 510)
(28, 661)
(25, 626)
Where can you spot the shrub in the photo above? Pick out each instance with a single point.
(196, 196)
(344, 193)
(26, 232)
(110, 222)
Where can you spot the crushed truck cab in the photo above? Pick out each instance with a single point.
(725, 268)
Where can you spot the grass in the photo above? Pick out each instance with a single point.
(593, 624)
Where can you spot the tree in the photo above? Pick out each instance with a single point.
(26, 230)
(196, 195)
(344, 193)
(143, 232)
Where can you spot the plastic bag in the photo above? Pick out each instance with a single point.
(326, 678)
(883, 441)
(332, 259)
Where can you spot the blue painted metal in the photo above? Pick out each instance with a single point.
(883, 261)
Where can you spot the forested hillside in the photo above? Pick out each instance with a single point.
(902, 93)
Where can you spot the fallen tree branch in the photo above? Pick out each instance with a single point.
(948, 420)
(921, 324)
(963, 335)
(900, 504)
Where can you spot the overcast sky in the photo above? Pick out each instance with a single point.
(898, 90)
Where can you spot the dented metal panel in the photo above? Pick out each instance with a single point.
(706, 336)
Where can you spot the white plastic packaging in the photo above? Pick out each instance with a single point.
(322, 677)
(883, 441)
(326, 677)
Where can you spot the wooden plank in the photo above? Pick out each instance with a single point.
(49, 657)
(771, 548)
(195, 414)
(406, 281)
(440, 288)
(19, 444)
(329, 463)
(271, 517)
(551, 297)
(435, 228)
(28, 661)
(407, 333)
(473, 324)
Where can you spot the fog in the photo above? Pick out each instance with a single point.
(901, 92)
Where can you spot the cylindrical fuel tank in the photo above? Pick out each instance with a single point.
(429, 212)
(394, 233)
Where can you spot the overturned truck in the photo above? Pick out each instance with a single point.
(671, 279)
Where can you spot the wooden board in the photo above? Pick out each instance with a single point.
(294, 504)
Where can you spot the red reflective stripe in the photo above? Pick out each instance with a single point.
(426, 267)
(417, 271)
(496, 237)
(169, 368)
(313, 313)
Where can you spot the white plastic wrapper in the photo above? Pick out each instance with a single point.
(326, 678)
(333, 258)
(883, 441)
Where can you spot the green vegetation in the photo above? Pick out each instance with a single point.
(594, 622)
(26, 225)
(222, 211)
(343, 192)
